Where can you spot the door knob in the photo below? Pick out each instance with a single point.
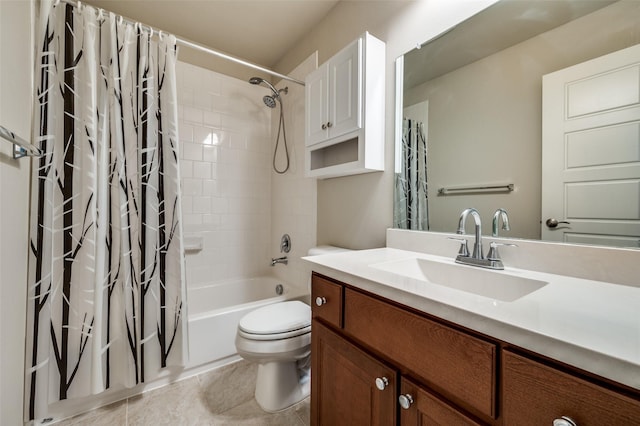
(320, 301)
(552, 223)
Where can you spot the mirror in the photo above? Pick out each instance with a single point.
(470, 107)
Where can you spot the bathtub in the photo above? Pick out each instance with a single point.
(215, 310)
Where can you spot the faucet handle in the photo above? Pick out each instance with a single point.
(464, 247)
(493, 250)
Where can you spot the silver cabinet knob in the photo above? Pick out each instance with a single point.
(405, 401)
(320, 301)
(382, 383)
(329, 124)
(564, 421)
(324, 127)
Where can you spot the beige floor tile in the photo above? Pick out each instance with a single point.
(250, 414)
(229, 386)
(180, 403)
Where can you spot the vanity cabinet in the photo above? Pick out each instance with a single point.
(537, 394)
(440, 368)
(344, 111)
(366, 348)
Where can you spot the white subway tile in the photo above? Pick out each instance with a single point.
(211, 118)
(202, 170)
(186, 132)
(202, 204)
(191, 219)
(193, 115)
(191, 186)
(186, 168)
(210, 153)
(210, 187)
(192, 151)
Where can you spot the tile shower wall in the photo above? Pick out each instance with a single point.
(225, 153)
(293, 196)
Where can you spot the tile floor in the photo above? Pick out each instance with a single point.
(223, 397)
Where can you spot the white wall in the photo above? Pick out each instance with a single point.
(15, 114)
(354, 211)
(225, 152)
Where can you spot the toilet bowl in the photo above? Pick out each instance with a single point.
(278, 338)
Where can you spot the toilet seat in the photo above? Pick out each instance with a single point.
(276, 321)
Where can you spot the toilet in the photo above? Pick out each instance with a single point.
(278, 338)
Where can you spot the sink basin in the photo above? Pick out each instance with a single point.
(496, 285)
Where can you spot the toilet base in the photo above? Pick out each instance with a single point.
(280, 385)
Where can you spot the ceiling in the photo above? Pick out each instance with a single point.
(258, 31)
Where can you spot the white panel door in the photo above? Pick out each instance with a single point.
(345, 70)
(591, 151)
(317, 92)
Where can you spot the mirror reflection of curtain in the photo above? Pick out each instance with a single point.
(411, 210)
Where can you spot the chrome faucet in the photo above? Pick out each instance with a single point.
(492, 261)
(277, 260)
(500, 213)
(477, 246)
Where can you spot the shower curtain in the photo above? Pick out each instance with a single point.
(106, 292)
(411, 209)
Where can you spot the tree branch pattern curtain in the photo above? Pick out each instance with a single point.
(106, 293)
(411, 210)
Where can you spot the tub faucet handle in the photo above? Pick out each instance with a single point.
(285, 244)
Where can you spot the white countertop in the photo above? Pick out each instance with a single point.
(591, 325)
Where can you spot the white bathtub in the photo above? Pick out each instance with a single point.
(215, 310)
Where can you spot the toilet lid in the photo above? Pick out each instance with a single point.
(277, 318)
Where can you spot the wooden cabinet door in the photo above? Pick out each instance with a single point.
(536, 394)
(426, 409)
(343, 383)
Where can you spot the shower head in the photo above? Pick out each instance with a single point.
(258, 80)
(270, 101)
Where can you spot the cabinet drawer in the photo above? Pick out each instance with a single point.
(427, 409)
(536, 394)
(460, 367)
(326, 300)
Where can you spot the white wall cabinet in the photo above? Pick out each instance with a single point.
(344, 116)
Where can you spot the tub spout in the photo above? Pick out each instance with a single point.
(282, 259)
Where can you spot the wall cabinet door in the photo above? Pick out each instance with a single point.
(317, 107)
(345, 383)
(345, 94)
(420, 407)
(334, 93)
